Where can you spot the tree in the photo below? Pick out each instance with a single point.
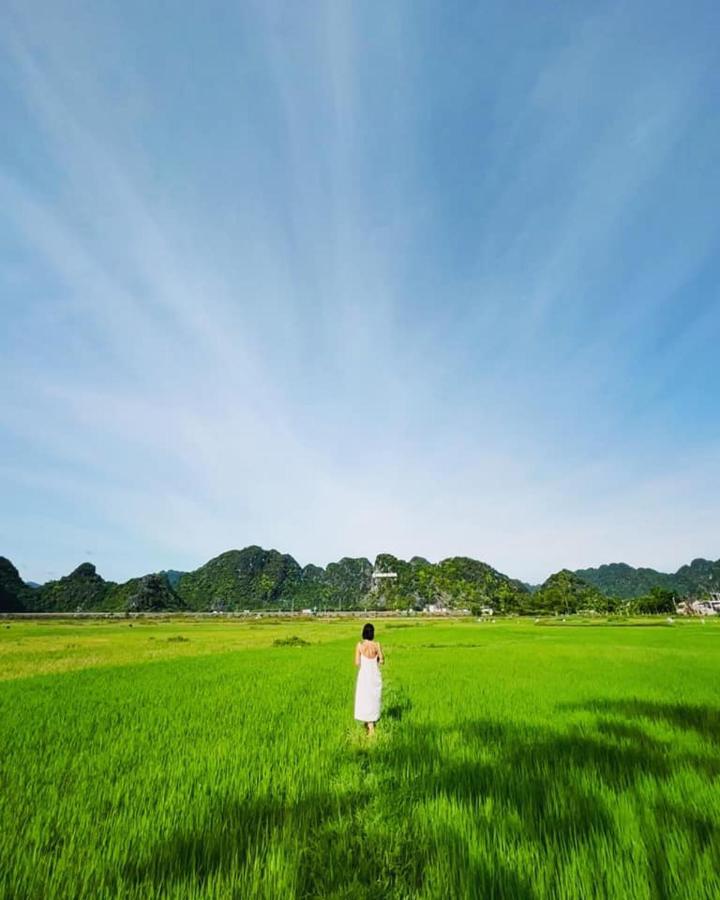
(564, 592)
(657, 600)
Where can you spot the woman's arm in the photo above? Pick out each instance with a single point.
(357, 654)
(381, 658)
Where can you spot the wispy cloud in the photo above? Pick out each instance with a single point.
(410, 283)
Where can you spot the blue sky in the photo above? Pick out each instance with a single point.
(344, 278)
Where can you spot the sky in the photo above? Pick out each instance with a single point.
(347, 278)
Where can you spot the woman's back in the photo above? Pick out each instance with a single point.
(369, 662)
(369, 649)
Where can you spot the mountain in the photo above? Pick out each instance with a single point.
(172, 575)
(15, 595)
(252, 578)
(462, 581)
(151, 593)
(456, 582)
(566, 592)
(82, 590)
(625, 582)
(700, 577)
(255, 578)
(347, 582)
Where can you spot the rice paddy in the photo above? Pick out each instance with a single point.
(218, 759)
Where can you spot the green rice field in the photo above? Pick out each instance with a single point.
(195, 758)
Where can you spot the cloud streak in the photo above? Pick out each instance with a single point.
(410, 283)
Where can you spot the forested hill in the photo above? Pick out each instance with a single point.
(15, 595)
(83, 590)
(623, 581)
(255, 578)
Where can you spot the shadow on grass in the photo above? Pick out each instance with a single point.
(396, 705)
(230, 833)
(704, 720)
(338, 854)
(505, 785)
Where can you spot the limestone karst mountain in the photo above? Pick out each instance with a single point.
(255, 578)
(151, 593)
(624, 582)
(15, 595)
(82, 590)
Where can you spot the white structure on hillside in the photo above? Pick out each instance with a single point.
(380, 578)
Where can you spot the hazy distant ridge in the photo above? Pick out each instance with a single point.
(624, 581)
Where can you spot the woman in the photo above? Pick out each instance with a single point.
(369, 657)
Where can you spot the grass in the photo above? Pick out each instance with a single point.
(513, 760)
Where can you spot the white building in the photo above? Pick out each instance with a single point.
(708, 607)
(435, 608)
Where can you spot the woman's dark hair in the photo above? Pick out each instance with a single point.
(368, 632)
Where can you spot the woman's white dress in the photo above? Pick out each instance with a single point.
(368, 690)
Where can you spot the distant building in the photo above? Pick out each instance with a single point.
(704, 607)
(435, 608)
